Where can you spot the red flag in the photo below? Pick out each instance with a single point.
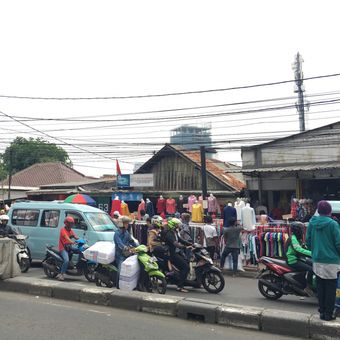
(118, 168)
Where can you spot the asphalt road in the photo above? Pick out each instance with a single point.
(31, 318)
(238, 290)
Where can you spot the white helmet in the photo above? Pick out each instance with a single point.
(4, 218)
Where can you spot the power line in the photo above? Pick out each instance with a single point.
(168, 94)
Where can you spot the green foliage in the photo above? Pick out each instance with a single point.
(26, 152)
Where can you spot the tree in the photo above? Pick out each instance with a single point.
(23, 152)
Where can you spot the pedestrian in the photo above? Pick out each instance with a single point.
(232, 243)
(228, 212)
(115, 217)
(65, 245)
(210, 236)
(323, 239)
(143, 215)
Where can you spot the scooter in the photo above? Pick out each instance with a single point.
(278, 278)
(23, 257)
(53, 262)
(202, 271)
(151, 279)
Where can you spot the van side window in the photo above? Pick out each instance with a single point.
(79, 222)
(25, 217)
(50, 218)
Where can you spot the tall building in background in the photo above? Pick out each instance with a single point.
(191, 137)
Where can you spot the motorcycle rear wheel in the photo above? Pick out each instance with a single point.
(24, 265)
(50, 272)
(89, 272)
(157, 284)
(213, 281)
(267, 292)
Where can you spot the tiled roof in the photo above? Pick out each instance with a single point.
(45, 173)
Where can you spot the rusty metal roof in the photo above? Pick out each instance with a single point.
(45, 173)
(296, 167)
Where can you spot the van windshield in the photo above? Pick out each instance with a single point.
(100, 221)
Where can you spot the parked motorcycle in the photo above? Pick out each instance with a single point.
(202, 271)
(53, 262)
(278, 278)
(23, 257)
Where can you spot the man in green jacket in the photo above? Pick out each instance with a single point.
(323, 238)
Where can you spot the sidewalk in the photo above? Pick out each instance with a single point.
(301, 325)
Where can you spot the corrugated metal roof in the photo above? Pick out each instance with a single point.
(297, 167)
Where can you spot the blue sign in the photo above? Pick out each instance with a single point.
(123, 181)
(128, 196)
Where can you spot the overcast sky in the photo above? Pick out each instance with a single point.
(83, 51)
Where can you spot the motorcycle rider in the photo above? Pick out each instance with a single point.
(295, 250)
(123, 242)
(5, 229)
(176, 244)
(65, 245)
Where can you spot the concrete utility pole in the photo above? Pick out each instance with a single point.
(299, 89)
(203, 173)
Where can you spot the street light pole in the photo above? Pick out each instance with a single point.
(203, 173)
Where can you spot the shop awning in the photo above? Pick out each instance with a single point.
(292, 168)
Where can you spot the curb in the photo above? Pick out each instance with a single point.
(267, 320)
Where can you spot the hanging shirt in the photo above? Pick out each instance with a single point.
(180, 207)
(212, 204)
(141, 206)
(238, 206)
(170, 206)
(161, 205)
(149, 209)
(115, 206)
(248, 218)
(124, 209)
(197, 213)
(191, 201)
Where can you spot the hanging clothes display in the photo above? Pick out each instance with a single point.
(170, 206)
(149, 208)
(197, 212)
(124, 209)
(248, 218)
(212, 204)
(161, 205)
(139, 231)
(141, 206)
(228, 212)
(115, 206)
(180, 202)
(191, 200)
(238, 205)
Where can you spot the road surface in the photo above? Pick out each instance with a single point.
(32, 318)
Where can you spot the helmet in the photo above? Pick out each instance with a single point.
(4, 218)
(69, 220)
(116, 213)
(174, 223)
(157, 221)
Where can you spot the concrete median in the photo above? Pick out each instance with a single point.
(268, 320)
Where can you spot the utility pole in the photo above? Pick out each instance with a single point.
(299, 89)
(10, 175)
(203, 173)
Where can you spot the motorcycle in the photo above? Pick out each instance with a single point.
(278, 278)
(151, 279)
(23, 257)
(53, 262)
(202, 271)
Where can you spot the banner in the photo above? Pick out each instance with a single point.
(141, 180)
(128, 196)
(123, 181)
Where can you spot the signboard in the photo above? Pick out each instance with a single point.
(141, 180)
(128, 196)
(123, 181)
